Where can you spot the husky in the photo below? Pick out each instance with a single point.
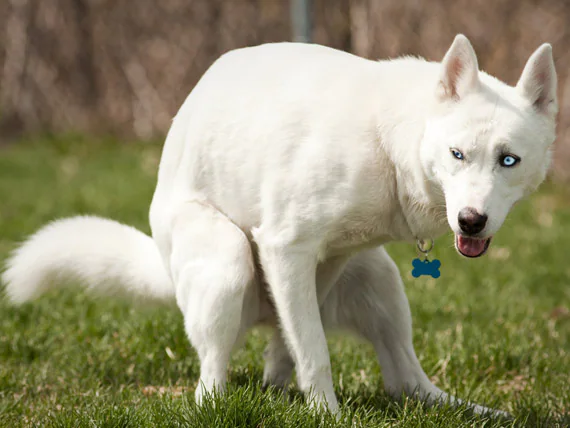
(284, 173)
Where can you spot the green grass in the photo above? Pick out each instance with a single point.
(495, 330)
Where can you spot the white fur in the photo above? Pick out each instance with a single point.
(97, 253)
(282, 174)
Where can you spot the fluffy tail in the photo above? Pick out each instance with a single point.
(102, 255)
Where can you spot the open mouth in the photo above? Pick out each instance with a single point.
(472, 247)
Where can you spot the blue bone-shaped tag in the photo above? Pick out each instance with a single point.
(426, 267)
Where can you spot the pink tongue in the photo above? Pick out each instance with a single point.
(470, 246)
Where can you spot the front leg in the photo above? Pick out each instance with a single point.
(290, 272)
(278, 362)
(369, 299)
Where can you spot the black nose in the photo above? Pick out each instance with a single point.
(470, 221)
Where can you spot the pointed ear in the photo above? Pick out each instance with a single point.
(459, 70)
(538, 80)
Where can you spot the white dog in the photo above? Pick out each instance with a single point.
(283, 173)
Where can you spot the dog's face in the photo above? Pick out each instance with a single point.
(488, 144)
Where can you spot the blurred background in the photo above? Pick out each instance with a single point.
(122, 68)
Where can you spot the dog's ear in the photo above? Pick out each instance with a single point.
(538, 80)
(460, 70)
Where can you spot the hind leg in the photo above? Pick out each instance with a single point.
(212, 268)
(369, 299)
(278, 362)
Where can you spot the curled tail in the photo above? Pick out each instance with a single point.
(102, 255)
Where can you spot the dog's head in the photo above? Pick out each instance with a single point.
(488, 144)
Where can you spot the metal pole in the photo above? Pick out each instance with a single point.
(301, 20)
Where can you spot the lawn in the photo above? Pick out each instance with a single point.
(495, 330)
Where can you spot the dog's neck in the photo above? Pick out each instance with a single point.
(421, 199)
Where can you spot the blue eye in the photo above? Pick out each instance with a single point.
(457, 154)
(509, 160)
